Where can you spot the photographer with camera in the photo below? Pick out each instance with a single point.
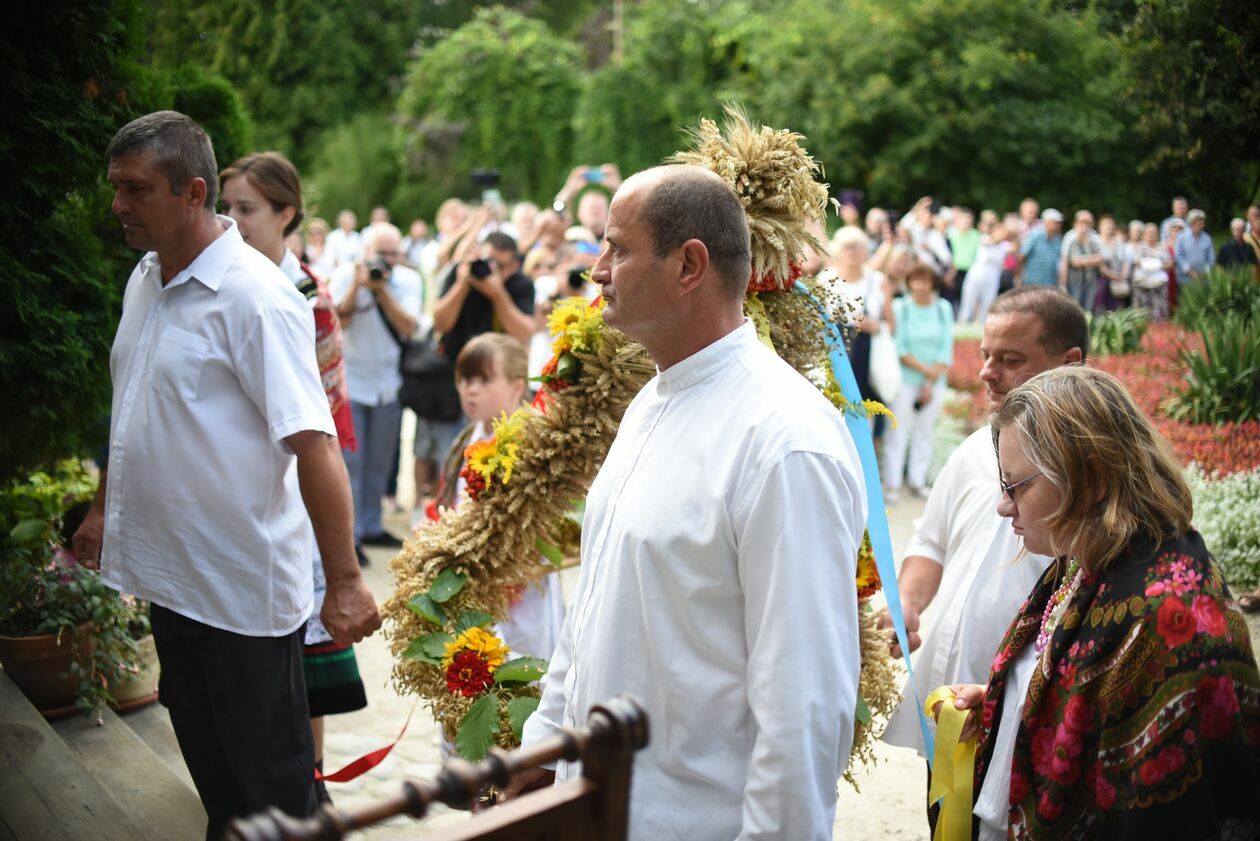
(378, 300)
(596, 185)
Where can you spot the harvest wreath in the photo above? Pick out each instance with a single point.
(456, 576)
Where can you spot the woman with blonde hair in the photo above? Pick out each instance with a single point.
(1124, 701)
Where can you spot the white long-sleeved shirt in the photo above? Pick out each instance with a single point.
(983, 584)
(717, 586)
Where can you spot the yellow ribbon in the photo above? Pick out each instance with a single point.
(953, 769)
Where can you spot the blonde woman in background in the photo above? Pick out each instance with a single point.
(866, 291)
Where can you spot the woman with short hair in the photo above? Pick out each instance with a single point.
(1124, 701)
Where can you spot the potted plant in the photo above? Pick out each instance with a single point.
(65, 637)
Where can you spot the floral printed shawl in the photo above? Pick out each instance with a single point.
(332, 369)
(1142, 719)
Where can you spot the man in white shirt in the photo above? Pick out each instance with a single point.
(379, 304)
(964, 557)
(219, 422)
(718, 551)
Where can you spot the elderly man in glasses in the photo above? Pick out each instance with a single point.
(964, 557)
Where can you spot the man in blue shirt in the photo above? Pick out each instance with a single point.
(1040, 252)
(1193, 251)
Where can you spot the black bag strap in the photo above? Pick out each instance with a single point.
(390, 327)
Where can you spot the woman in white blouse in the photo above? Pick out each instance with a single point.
(867, 294)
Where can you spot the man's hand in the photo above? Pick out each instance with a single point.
(88, 538)
(361, 277)
(912, 630)
(527, 781)
(349, 611)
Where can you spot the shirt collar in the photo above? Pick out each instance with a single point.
(291, 266)
(708, 361)
(208, 267)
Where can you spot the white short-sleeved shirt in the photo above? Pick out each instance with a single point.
(370, 351)
(983, 584)
(211, 373)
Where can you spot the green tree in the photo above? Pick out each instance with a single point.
(681, 62)
(62, 258)
(979, 101)
(301, 66)
(1194, 83)
(498, 93)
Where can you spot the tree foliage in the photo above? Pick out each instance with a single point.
(497, 93)
(1194, 84)
(62, 259)
(301, 66)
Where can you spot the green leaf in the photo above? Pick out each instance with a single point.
(577, 512)
(477, 728)
(426, 608)
(520, 709)
(429, 648)
(567, 367)
(28, 530)
(549, 551)
(472, 619)
(446, 585)
(522, 669)
(863, 712)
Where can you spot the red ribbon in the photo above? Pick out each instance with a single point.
(368, 761)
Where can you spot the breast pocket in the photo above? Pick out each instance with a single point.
(176, 368)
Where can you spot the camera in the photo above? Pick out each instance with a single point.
(577, 279)
(594, 176)
(480, 269)
(485, 178)
(378, 269)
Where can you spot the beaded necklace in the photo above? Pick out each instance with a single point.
(1057, 605)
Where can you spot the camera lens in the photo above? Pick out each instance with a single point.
(479, 269)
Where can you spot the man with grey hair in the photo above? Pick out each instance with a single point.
(719, 547)
(220, 433)
(379, 302)
(1180, 207)
(1193, 251)
(1236, 252)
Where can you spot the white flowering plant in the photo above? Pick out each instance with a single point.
(1227, 513)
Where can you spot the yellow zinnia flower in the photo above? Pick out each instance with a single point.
(478, 640)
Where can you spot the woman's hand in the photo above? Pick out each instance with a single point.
(967, 696)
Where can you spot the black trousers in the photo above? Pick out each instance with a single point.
(238, 706)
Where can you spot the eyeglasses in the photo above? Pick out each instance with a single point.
(1009, 490)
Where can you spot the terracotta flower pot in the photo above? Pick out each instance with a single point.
(140, 689)
(40, 666)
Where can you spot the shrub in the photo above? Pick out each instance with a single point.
(1200, 306)
(1226, 512)
(1117, 333)
(1223, 380)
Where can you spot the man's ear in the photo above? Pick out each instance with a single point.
(287, 215)
(694, 266)
(1073, 356)
(197, 191)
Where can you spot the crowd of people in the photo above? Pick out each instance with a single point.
(1077, 614)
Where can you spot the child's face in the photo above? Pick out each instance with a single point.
(485, 398)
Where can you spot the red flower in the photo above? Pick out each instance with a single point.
(1174, 622)
(1077, 715)
(1055, 752)
(1218, 706)
(987, 713)
(1169, 761)
(1019, 787)
(468, 674)
(474, 483)
(1048, 809)
(1208, 616)
(1104, 792)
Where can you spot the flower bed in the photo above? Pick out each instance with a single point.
(1151, 374)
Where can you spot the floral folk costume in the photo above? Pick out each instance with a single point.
(1142, 718)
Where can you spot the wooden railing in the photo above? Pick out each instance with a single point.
(593, 807)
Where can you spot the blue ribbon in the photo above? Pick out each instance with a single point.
(877, 518)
